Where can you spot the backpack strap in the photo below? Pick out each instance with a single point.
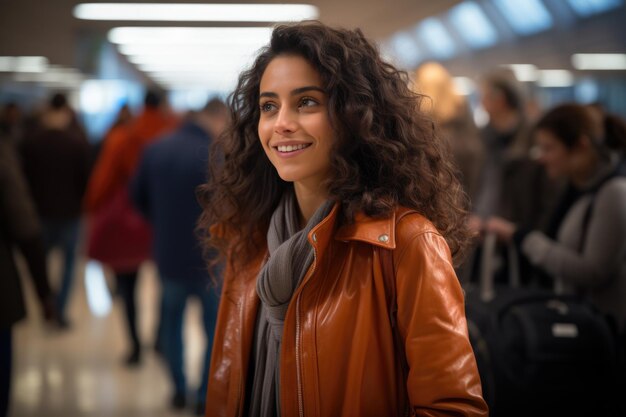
(589, 211)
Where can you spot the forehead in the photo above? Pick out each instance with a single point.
(287, 72)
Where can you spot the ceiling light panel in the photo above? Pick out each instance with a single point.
(189, 36)
(526, 17)
(196, 12)
(464, 85)
(524, 72)
(404, 49)
(599, 61)
(27, 64)
(473, 25)
(151, 51)
(586, 8)
(555, 78)
(436, 37)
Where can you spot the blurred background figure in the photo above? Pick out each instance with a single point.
(11, 122)
(19, 229)
(164, 192)
(454, 120)
(55, 158)
(584, 248)
(512, 184)
(118, 236)
(122, 120)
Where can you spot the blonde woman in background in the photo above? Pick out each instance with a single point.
(453, 119)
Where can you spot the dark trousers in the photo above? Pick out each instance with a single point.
(64, 235)
(6, 358)
(175, 294)
(126, 289)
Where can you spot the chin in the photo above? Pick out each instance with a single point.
(287, 177)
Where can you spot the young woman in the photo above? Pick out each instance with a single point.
(584, 248)
(335, 209)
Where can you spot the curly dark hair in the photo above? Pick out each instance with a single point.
(386, 151)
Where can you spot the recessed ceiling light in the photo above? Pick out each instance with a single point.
(172, 51)
(555, 78)
(599, 61)
(464, 85)
(23, 64)
(196, 12)
(189, 36)
(524, 72)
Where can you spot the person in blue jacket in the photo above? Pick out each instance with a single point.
(163, 190)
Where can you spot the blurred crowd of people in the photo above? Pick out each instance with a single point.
(552, 184)
(127, 199)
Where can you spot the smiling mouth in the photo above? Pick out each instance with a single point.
(291, 148)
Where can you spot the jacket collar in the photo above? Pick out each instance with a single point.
(375, 231)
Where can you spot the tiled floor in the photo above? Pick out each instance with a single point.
(79, 372)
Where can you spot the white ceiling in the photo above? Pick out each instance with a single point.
(47, 28)
(36, 27)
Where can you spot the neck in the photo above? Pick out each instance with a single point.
(505, 121)
(309, 198)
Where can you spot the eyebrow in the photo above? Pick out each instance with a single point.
(294, 92)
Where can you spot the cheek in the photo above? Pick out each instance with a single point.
(264, 131)
(320, 127)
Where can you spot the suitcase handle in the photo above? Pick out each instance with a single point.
(487, 289)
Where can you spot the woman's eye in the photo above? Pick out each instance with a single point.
(307, 102)
(267, 107)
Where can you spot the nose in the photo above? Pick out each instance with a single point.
(286, 121)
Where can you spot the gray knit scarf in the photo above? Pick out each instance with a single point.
(291, 255)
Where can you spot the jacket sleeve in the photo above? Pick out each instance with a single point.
(604, 246)
(443, 377)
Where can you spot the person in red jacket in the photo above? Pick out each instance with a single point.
(118, 236)
(336, 211)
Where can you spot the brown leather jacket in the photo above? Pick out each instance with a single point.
(338, 356)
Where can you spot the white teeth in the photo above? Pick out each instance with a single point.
(291, 148)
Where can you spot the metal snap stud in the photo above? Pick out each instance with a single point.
(314, 237)
(383, 238)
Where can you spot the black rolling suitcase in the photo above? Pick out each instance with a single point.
(540, 354)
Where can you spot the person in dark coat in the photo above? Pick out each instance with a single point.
(163, 190)
(19, 229)
(55, 159)
(512, 184)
